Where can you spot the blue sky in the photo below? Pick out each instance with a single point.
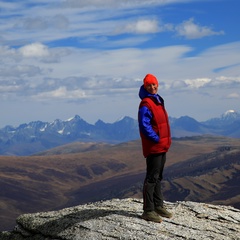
(62, 58)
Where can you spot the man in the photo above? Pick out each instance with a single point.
(156, 140)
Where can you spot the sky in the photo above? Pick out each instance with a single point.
(62, 58)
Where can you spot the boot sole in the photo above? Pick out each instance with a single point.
(151, 220)
(163, 215)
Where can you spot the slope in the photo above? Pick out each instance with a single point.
(47, 182)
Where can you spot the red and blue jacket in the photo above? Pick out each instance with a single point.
(153, 123)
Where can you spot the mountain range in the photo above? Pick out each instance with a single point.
(31, 138)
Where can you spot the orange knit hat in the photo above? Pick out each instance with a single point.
(150, 79)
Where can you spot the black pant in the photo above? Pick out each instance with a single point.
(152, 193)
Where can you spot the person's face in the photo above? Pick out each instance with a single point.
(152, 88)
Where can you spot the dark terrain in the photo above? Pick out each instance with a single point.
(202, 169)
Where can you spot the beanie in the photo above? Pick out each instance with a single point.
(150, 79)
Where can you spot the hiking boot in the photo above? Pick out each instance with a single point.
(151, 216)
(162, 211)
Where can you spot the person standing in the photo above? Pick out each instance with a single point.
(155, 135)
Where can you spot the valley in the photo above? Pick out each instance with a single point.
(201, 168)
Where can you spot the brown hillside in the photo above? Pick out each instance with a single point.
(47, 182)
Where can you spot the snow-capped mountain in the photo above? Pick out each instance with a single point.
(27, 139)
(231, 114)
(228, 117)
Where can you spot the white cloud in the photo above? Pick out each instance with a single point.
(60, 93)
(95, 70)
(117, 4)
(6, 89)
(34, 50)
(191, 30)
(19, 71)
(46, 22)
(98, 51)
(34, 23)
(142, 27)
(197, 83)
(8, 6)
(206, 83)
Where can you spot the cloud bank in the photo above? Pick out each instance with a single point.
(83, 53)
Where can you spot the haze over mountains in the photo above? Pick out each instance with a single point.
(33, 137)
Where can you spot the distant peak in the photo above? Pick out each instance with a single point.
(72, 118)
(120, 119)
(229, 112)
(230, 115)
(123, 118)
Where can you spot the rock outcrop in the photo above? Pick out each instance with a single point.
(121, 219)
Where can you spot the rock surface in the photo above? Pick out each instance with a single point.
(121, 219)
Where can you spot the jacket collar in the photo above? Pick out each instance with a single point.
(143, 93)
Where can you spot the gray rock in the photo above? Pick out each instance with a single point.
(121, 219)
